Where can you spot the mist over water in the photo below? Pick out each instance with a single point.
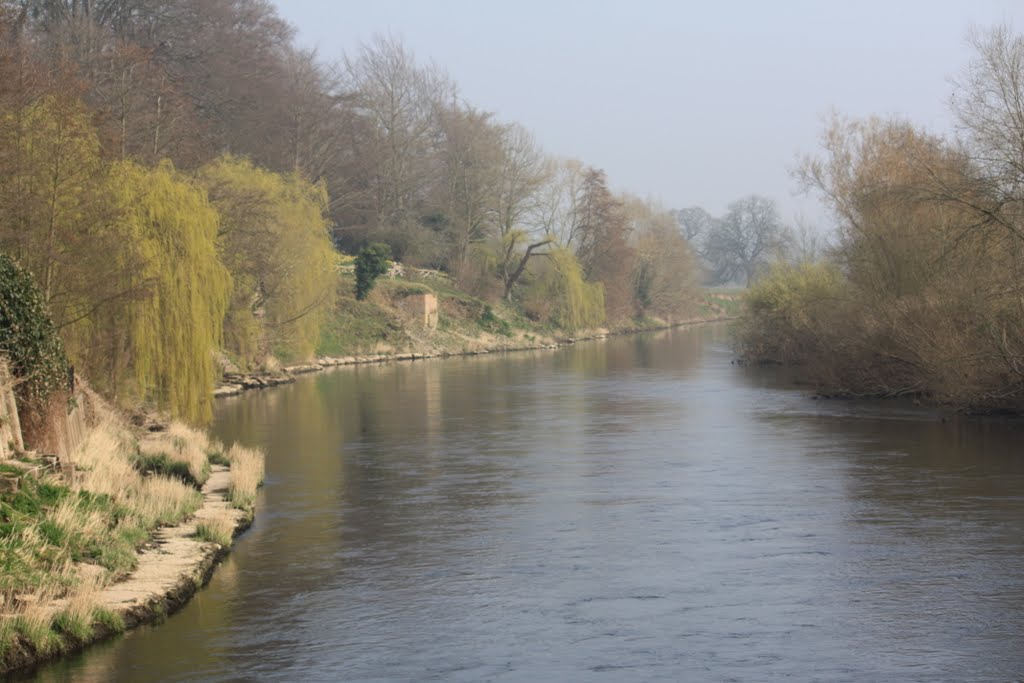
(634, 510)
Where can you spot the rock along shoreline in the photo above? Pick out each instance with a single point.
(235, 383)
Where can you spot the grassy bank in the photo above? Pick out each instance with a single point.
(70, 534)
(381, 324)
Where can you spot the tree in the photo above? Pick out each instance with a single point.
(989, 106)
(274, 239)
(399, 100)
(603, 243)
(371, 263)
(55, 204)
(694, 223)
(558, 292)
(748, 237)
(173, 329)
(560, 202)
(522, 174)
(665, 268)
(470, 164)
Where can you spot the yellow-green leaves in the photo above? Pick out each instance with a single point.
(274, 240)
(560, 294)
(177, 322)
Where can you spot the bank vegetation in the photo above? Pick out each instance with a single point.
(924, 292)
(181, 178)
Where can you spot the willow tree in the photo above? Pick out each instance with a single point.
(176, 323)
(274, 239)
(559, 293)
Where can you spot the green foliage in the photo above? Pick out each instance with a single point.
(371, 263)
(28, 340)
(492, 323)
(784, 310)
(218, 458)
(213, 533)
(108, 619)
(274, 239)
(359, 326)
(174, 329)
(70, 624)
(163, 464)
(560, 294)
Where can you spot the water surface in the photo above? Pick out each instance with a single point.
(634, 510)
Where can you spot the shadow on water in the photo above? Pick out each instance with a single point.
(638, 509)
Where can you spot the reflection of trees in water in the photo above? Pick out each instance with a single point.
(398, 465)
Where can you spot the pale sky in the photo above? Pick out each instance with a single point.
(685, 102)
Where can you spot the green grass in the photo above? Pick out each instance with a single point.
(71, 625)
(35, 545)
(218, 458)
(108, 619)
(489, 322)
(213, 533)
(163, 464)
(360, 327)
(721, 302)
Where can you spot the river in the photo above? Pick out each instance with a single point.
(638, 509)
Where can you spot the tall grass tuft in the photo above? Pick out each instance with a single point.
(247, 471)
(216, 530)
(180, 451)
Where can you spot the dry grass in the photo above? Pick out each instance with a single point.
(106, 458)
(220, 529)
(163, 501)
(180, 450)
(247, 470)
(65, 541)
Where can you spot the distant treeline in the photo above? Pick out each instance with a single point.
(924, 292)
(178, 176)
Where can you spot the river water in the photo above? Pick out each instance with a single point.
(638, 509)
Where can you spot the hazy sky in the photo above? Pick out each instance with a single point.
(690, 103)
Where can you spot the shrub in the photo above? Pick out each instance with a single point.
(371, 263)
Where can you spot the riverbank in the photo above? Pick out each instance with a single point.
(381, 331)
(235, 383)
(121, 534)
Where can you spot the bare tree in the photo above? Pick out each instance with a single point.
(988, 102)
(471, 162)
(401, 100)
(746, 240)
(558, 208)
(522, 176)
(694, 222)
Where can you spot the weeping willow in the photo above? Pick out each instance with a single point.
(274, 239)
(559, 293)
(176, 323)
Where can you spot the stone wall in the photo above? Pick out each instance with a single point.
(422, 308)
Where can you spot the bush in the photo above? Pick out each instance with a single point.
(371, 263)
(29, 341)
(786, 312)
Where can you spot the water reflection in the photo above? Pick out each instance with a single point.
(634, 510)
